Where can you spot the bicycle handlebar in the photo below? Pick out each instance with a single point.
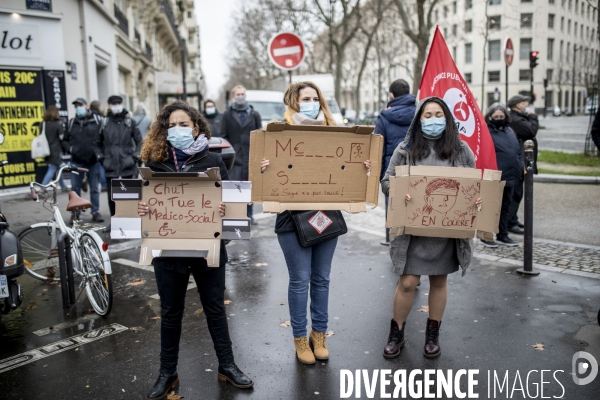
(34, 195)
(84, 170)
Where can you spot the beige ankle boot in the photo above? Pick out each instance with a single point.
(303, 351)
(317, 343)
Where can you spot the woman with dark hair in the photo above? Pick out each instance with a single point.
(510, 162)
(53, 127)
(432, 139)
(178, 142)
(309, 267)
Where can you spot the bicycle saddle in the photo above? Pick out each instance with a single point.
(77, 203)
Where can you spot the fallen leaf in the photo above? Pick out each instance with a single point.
(154, 318)
(282, 303)
(329, 333)
(285, 324)
(539, 346)
(261, 264)
(424, 309)
(227, 302)
(41, 294)
(31, 305)
(173, 396)
(77, 349)
(199, 311)
(134, 378)
(136, 329)
(136, 282)
(208, 370)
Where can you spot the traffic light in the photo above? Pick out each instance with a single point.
(533, 97)
(533, 59)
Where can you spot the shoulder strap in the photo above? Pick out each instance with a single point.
(71, 121)
(103, 122)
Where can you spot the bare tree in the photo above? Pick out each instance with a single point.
(417, 31)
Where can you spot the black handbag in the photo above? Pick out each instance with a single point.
(314, 227)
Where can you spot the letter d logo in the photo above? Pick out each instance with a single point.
(591, 365)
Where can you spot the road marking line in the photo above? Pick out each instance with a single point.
(134, 264)
(60, 346)
(125, 245)
(64, 325)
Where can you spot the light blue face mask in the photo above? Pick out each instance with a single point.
(180, 137)
(433, 126)
(80, 111)
(310, 110)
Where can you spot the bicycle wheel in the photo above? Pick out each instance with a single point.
(98, 282)
(41, 261)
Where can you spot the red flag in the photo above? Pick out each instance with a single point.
(441, 78)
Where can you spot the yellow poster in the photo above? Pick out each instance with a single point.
(18, 124)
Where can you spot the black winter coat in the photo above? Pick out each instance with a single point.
(239, 137)
(197, 163)
(508, 154)
(120, 145)
(526, 128)
(82, 139)
(215, 121)
(595, 132)
(53, 130)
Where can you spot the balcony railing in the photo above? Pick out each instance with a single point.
(166, 8)
(123, 22)
(138, 37)
(149, 51)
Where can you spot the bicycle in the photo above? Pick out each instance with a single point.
(89, 253)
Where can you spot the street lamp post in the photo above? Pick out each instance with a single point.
(573, 80)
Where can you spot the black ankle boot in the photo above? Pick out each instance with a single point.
(163, 385)
(432, 339)
(395, 341)
(232, 374)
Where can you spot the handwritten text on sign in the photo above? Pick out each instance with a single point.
(442, 202)
(306, 167)
(182, 209)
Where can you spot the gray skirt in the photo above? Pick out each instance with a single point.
(431, 256)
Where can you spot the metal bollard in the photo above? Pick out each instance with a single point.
(69, 261)
(528, 242)
(62, 262)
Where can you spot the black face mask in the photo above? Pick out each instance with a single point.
(499, 123)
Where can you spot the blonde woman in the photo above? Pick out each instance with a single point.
(309, 267)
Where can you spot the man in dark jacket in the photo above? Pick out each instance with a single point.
(393, 124)
(96, 109)
(214, 117)
(595, 132)
(81, 140)
(238, 122)
(120, 143)
(525, 125)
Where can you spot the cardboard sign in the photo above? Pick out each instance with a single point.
(443, 202)
(315, 167)
(183, 218)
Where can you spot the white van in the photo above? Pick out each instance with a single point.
(268, 103)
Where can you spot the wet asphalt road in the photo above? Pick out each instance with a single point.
(493, 319)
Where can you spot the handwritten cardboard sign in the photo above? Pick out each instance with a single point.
(315, 167)
(443, 201)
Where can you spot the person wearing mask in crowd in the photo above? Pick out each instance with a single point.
(120, 143)
(178, 142)
(510, 162)
(213, 117)
(53, 128)
(142, 120)
(525, 124)
(432, 140)
(236, 125)
(82, 141)
(96, 109)
(309, 267)
(393, 124)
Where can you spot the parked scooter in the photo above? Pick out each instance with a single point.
(11, 267)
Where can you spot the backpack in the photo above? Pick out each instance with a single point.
(99, 120)
(105, 123)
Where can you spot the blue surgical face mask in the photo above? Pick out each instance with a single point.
(310, 110)
(80, 111)
(210, 110)
(180, 137)
(433, 126)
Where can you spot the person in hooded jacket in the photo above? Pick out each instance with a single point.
(120, 142)
(142, 119)
(309, 267)
(236, 125)
(510, 162)
(213, 116)
(53, 128)
(432, 139)
(178, 142)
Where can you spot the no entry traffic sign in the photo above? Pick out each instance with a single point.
(286, 50)
(509, 52)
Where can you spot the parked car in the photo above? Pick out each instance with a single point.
(268, 103)
(223, 147)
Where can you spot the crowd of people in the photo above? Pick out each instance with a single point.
(111, 145)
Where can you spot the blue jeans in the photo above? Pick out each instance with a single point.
(307, 267)
(102, 177)
(93, 182)
(52, 168)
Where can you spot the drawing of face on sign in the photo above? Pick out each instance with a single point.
(463, 114)
(440, 195)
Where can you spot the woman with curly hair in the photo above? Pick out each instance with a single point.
(178, 142)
